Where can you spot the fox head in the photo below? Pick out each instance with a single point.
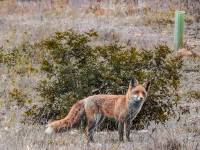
(136, 91)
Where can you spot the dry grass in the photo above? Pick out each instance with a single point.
(136, 26)
(23, 7)
(142, 26)
(156, 137)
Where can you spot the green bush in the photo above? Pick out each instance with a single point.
(75, 69)
(20, 59)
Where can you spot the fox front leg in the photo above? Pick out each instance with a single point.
(121, 130)
(128, 129)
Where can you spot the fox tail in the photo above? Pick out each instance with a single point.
(73, 117)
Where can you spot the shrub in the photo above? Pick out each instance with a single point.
(75, 69)
(19, 98)
(20, 59)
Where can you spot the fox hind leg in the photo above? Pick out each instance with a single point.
(91, 124)
(90, 129)
(99, 119)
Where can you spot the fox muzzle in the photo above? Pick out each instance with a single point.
(137, 98)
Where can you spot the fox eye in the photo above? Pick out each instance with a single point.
(136, 92)
(143, 93)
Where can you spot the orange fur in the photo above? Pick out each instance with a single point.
(116, 106)
(71, 119)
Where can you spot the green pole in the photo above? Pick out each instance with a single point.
(179, 29)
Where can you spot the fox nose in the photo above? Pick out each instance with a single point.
(141, 98)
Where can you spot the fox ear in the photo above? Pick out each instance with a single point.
(133, 82)
(147, 85)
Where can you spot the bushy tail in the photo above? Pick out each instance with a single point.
(69, 121)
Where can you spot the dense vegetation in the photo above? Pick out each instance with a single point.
(75, 69)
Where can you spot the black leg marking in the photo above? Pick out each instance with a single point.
(121, 130)
(128, 129)
(100, 120)
(90, 130)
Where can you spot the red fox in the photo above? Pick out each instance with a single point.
(124, 108)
